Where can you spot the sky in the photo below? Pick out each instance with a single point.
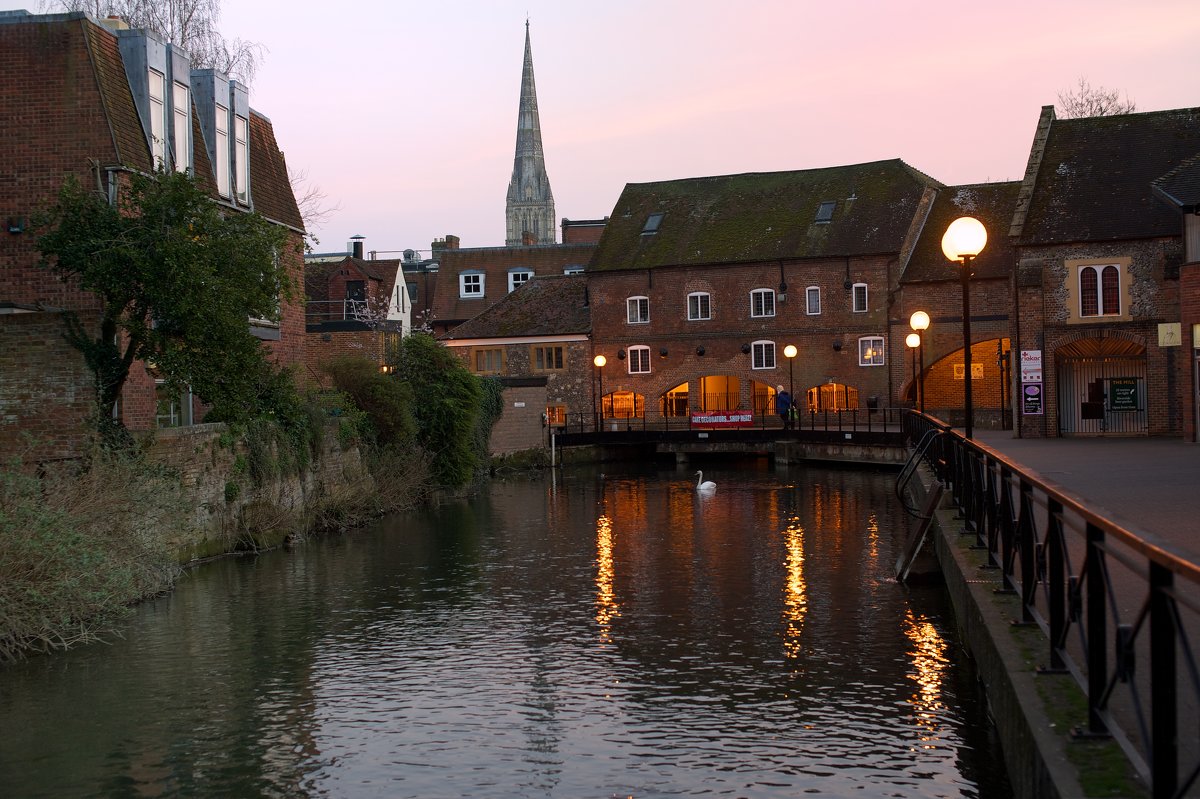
(404, 113)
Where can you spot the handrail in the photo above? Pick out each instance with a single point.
(1118, 611)
(915, 458)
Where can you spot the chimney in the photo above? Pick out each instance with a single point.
(451, 242)
(356, 246)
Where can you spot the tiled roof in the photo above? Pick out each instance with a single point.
(545, 306)
(764, 216)
(317, 275)
(128, 137)
(269, 184)
(1094, 183)
(1181, 186)
(990, 203)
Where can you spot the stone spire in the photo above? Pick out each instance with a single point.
(530, 209)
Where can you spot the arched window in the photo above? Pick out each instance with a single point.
(638, 360)
(762, 355)
(762, 302)
(699, 306)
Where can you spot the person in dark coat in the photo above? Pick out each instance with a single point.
(783, 407)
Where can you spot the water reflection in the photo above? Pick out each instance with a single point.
(752, 643)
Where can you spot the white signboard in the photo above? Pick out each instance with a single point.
(1169, 334)
(1031, 366)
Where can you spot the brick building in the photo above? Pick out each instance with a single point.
(101, 103)
(1098, 280)
(698, 286)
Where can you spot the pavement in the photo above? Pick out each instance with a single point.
(1149, 486)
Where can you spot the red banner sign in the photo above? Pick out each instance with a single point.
(707, 420)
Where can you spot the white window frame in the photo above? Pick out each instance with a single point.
(471, 285)
(181, 111)
(518, 278)
(222, 149)
(812, 299)
(573, 269)
(241, 158)
(855, 305)
(157, 92)
(762, 355)
(637, 310)
(871, 351)
(701, 309)
(758, 303)
(637, 359)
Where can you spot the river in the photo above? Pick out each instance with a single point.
(602, 632)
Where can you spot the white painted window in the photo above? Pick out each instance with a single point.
(158, 118)
(762, 355)
(639, 360)
(870, 351)
(470, 285)
(241, 158)
(518, 278)
(859, 295)
(222, 148)
(181, 114)
(812, 299)
(573, 269)
(699, 306)
(762, 302)
(637, 310)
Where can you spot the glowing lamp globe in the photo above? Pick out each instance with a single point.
(913, 340)
(919, 321)
(789, 351)
(965, 238)
(600, 360)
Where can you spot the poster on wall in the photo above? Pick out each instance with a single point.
(1031, 366)
(1031, 399)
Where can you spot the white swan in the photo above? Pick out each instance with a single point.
(704, 485)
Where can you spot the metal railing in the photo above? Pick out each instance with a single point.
(335, 311)
(850, 421)
(1118, 613)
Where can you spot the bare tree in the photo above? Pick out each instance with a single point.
(1087, 101)
(191, 24)
(312, 202)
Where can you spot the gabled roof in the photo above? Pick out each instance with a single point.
(990, 203)
(132, 149)
(270, 190)
(545, 306)
(1094, 181)
(1181, 186)
(317, 275)
(764, 216)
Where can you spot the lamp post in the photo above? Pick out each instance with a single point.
(599, 361)
(789, 352)
(962, 242)
(913, 340)
(919, 322)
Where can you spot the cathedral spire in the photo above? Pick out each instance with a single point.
(530, 208)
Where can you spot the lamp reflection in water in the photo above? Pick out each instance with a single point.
(795, 596)
(929, 664)
(607, 607)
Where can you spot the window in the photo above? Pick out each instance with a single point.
(573, 269)
(639, 360)
(222, 150)
(172, 409)
(547, 359)
(518, 278)
(181, 109)
(859, 297)
(556, 415)
(1100, 290)
(638, 310)
(488, 361)
(470, 285)
(870, 351)
(812, 298)
(762, 355)
(762, 302)
(699, 306)
(652, 224)
(241, 158)
(158, 118)
(825, 212)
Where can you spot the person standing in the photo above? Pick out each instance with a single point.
(783, 406)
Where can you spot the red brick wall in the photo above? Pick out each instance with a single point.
(520, 424)
(322, 348)
(571, 387)
(1189, 314)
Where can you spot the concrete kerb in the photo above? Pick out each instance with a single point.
(1036, 747)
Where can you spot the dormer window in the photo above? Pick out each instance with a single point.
(518, 278)
(652, 224)
(241, 158)
(181, 114)
(825, 212)
(222, 165)
(158, 118)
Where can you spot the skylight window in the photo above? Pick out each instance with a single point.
(652, 224)
(825, 211)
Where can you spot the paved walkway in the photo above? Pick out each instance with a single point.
(1150, 486)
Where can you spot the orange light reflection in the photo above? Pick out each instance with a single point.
(928, 666)
(607, 607)
(795, 597)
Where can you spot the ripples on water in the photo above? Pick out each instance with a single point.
(591, 636)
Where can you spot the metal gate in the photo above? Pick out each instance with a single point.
(1102, 396)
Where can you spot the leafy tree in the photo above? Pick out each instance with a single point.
(447, 409)
(179, 278)
(387, 402)
(1087, 101)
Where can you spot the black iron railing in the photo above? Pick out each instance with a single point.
(857, 420)
(1118, 612)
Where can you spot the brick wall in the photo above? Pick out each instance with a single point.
(323, 348)
(571, 387)
(520, 424)
(1189, 314)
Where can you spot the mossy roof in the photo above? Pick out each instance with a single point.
(1095, 179)
(1181, 186)
(990, 203)
(546, 305)
(764, 216)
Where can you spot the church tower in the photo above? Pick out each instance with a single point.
(530, 208)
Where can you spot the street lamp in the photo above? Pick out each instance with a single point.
(919, 322)
(789, 352)
(913, 340)
(962, 242)
(599, 361)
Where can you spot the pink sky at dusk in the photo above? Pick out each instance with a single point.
(404, 113)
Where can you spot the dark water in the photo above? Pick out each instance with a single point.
(596, 635)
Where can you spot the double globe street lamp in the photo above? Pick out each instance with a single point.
(962, 242)
(919, 322)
